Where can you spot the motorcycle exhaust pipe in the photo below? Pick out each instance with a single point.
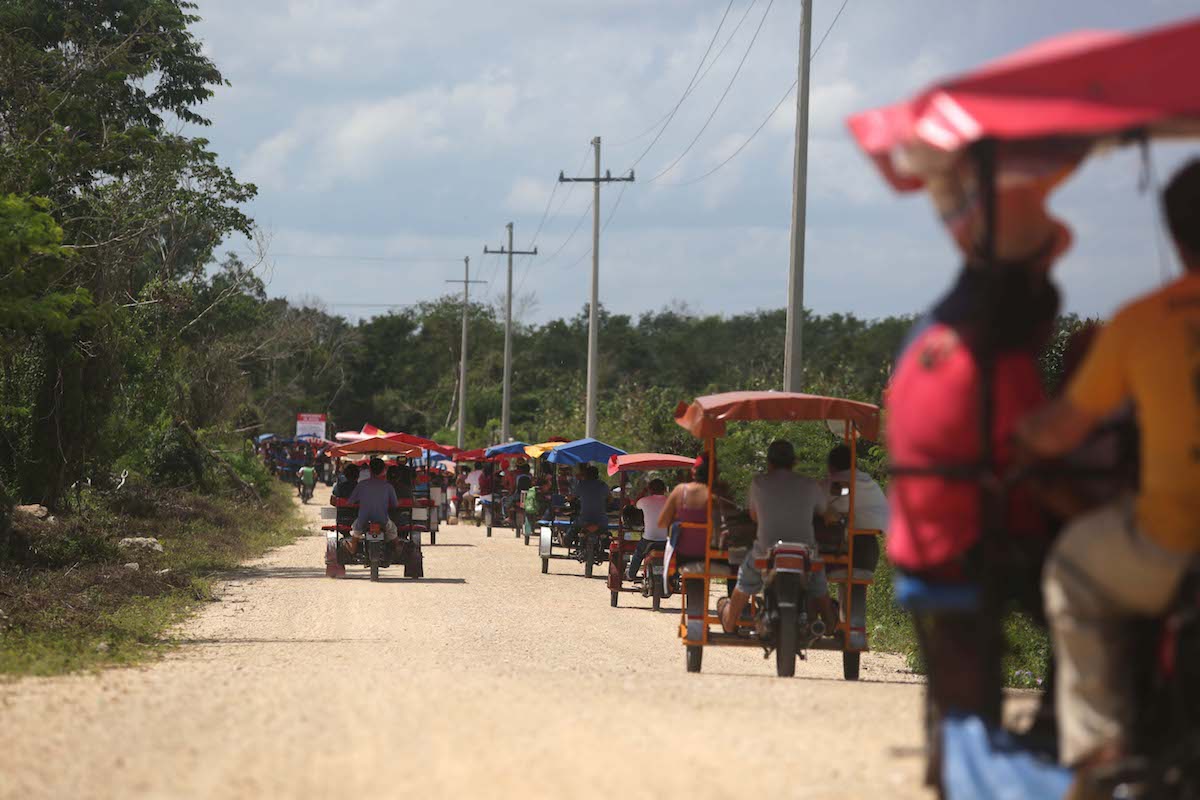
(817, 627)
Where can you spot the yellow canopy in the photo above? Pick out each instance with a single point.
(538, 450)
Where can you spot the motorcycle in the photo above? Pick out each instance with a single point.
(784, 619)
(306, 492)
(589, 548)
(377, 549)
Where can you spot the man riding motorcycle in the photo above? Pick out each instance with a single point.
(783, 504)
(306, 476)
(374, 497)
(1125, 561)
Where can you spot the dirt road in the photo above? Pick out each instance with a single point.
(484, 679)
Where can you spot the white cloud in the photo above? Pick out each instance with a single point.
(266, 164)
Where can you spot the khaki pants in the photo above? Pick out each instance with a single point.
(1103, 576)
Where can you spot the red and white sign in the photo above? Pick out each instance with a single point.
(310, 425)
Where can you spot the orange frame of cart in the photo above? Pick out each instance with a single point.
(706, 418)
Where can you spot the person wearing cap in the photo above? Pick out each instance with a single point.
(783, 504)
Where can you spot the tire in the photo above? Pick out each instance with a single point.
(613, 599)
(433, 537)
(850, 665)
(656, 592)
(374, 569)
(785, 646)
(695, 657)
(489, 531)
(527, 540)
(545, 565)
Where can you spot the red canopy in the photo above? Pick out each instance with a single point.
(1084, 85)
(379, 445)
(471, 455)
(706, 416)
(421, 441)
(641, 462)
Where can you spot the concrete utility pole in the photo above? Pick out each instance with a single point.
(506, 407)
(792, 351)
(462, 363)
(593, 365)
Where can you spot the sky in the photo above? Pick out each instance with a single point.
(390, 138)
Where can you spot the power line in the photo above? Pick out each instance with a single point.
(611, 213)
(342, 257)
(550, 200)
(369, 305)
(778, 105)
(561, 206)
(828, 30)
(724, 94)
(699, 80)
(687, 90)
(561, 247)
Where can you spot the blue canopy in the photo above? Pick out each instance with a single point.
(517, 448)
(434, 455)
(583, 451)
(264, 437)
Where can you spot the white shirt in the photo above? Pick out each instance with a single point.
(473, 480)
(870, 503)
(651, 507)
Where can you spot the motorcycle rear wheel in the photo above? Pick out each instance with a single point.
(785, 646)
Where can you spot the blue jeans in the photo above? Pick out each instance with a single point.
(639, 553)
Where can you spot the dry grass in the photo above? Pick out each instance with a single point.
(67, 600)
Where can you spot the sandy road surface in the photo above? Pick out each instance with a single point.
(485, 679)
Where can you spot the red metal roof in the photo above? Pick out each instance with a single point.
(1084, 85)
(706, 416)
(641, 462)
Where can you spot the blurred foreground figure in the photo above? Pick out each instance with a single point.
(1124, 561)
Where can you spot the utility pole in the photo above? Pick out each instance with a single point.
(462, 364)
(792, 351)
(593, 365)
(506, 406)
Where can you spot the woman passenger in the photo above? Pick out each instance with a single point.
(688, 502)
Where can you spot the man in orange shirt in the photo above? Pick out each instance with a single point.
(1126, 559)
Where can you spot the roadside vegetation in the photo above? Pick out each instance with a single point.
(92, 588)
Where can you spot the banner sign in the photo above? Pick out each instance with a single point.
(310, 425)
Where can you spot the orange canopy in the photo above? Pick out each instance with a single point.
(377, 446)
(641, 462)
(706, 416)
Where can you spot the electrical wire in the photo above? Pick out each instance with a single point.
(828, 31)
(688, 89)
(611, 213)
(561, 247)
(340, 257)
(763, 124)
(528, 265)
(724, 94)
(699, 80)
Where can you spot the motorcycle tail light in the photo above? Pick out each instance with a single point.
(790, 562)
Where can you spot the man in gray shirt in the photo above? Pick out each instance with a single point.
(375, 497)
(783, 504)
